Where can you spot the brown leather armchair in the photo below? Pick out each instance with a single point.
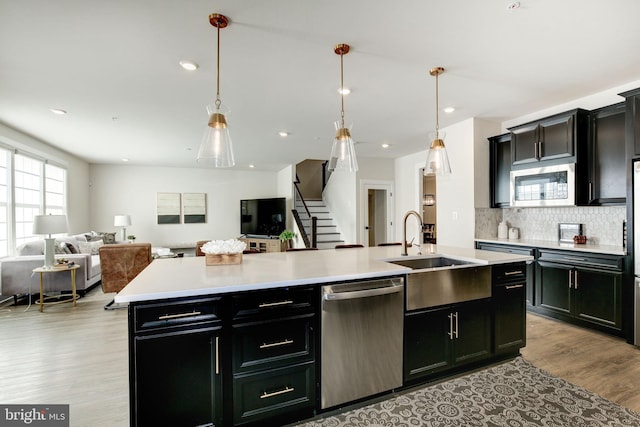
(120, 263)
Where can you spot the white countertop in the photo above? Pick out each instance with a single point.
(190, 276)
(588, 247)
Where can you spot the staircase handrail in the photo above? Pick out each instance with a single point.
(303, 232)
(314, 220)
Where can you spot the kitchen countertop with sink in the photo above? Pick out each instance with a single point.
(190, 276)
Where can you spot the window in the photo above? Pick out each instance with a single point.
(28, 187)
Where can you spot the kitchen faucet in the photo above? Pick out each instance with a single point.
(404, 230)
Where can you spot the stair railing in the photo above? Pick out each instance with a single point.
(309, 243)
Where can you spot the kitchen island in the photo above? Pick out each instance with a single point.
(240, 344)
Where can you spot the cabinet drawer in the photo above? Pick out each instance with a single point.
(509, 273)
(274, 343)
(174, 314)
(583, 259)
(273, 302)
(274, 393)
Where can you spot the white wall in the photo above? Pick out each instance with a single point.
(340, 197)
(132, 190)
(77, 175)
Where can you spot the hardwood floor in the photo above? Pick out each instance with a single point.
(66, 355)
(601, 363)
(79, 356)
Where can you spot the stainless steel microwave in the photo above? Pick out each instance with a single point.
(544, 186)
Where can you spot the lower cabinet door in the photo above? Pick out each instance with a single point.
(284, 394)
(553, 291)
(175, 380)
(598, 297)
(427, 347)
(510, 317)
(472, 326)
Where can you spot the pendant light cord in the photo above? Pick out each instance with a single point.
(218, 102)
(437, 113)
(341, 91)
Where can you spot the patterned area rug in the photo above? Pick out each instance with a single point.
(513, 394)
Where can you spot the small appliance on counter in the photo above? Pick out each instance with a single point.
(566, 232)
(514, 233)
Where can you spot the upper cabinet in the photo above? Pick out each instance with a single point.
(500, 167)
(606, 171)
(553, 140)
(633, 124)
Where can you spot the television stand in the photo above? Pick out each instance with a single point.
(264, 244)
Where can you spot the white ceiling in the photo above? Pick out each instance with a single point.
(113, 66)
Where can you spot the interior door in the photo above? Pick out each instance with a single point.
(376, 213)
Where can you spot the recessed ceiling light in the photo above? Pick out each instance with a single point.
(283, 134)
(188, 65)
(513, 5)
(252, 165)
(125, 160)
(58, 111)
(449, 110)
(344, 91)
(385, 146)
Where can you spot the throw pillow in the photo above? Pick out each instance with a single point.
(60, 248)
(72, 248)
(108, 238)
(90, 248)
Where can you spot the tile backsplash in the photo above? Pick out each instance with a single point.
(602, 224)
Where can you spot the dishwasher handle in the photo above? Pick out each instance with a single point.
(393, 288)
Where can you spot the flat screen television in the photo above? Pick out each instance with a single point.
(263, 217)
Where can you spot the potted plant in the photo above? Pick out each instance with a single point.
(286, 236)
(131, 237)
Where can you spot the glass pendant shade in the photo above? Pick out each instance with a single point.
(437, 159)
(216, 148)
(343, 152)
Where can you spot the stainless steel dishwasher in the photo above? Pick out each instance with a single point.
(361, 339)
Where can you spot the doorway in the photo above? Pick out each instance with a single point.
(377, 211)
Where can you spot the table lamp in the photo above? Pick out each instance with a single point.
(122, 221)
(49, 224)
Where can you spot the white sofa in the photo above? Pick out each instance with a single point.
(17, 277)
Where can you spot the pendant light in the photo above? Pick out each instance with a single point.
(437, 159)
(343, 153)
(216, 148)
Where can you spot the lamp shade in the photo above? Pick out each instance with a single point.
(49, 224)
(121, 220)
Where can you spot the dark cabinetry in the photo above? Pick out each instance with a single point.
(500, 167)
(273, 354)
(176, 363)
(633, 123)
(509, 284)
(436, 340)
(607, 174)
(584, 288)
(558, 137)
(520, 250)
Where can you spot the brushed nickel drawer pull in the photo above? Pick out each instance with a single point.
(177, 316)
(511, 273)
(273, 304)
(276, 344)
(287, 389)
(514, 286)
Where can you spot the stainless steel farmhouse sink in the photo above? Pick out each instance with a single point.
(433, 283)
(433, 262)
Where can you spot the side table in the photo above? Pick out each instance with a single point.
(71, 268)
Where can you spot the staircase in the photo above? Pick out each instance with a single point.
(328, 235)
